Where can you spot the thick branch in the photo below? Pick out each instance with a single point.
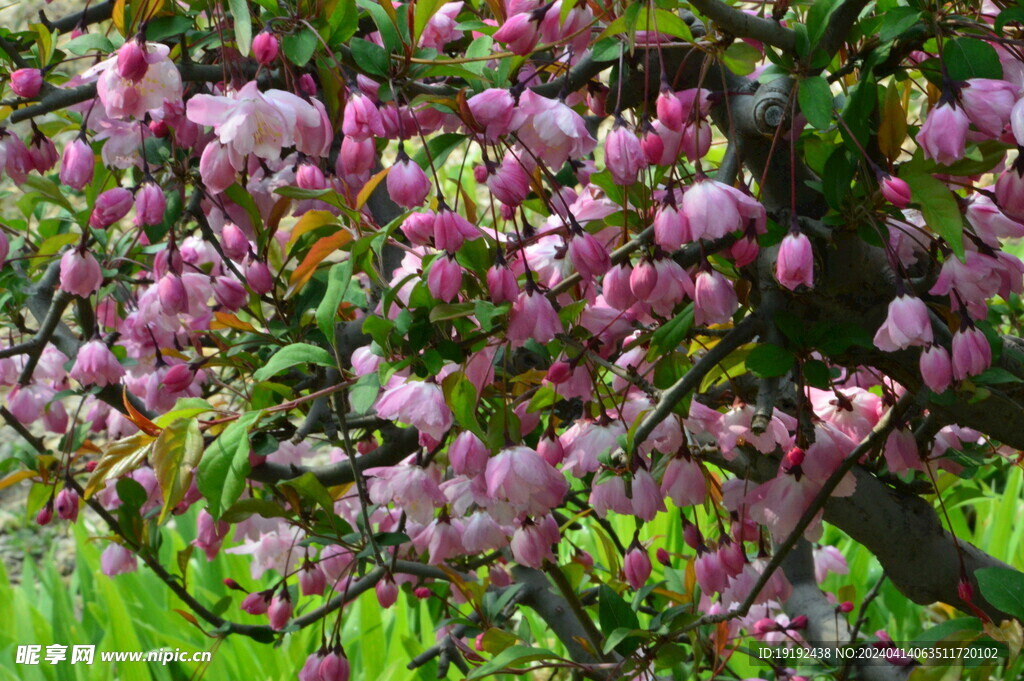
(743, 25)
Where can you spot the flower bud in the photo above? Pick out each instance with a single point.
(131, 61)
(27, 82)
(234, 242)
(279, 612)
(229, 293)
(259, 278)
(80, 273)
(310, 176)
(312, 580)
(265, 47)
(637, 567)
(895, 191)
(67, 504)
(559, 373)
(150, 205)
(178, 378)
(501, 282)
(387, 592)
(45, 515)
(111, 206)
(422, 592)
(77, 165)
(256, 603)
(662, 555)
(172, 294)
(407, 184)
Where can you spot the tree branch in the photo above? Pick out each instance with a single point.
(743, 25)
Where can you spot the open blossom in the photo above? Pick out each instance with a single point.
(521, 477)
(533, 316)
(907, 324)
(117, 560)
(127, 98)
(495, 111)
(713, 209)
(419, 404)
(531, 543)
(362, 119)
(552, 130)
(96, 365)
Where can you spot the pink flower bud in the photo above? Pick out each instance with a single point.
(846, 607)
(671, 229)
(178, 378)
(67, 504)
(279, 612)
(559, 373)
(663, 557)
(451, 230)
(445, 278)
(551, 450)
(387, 592)
(265, 47)
(355, 157)
(80, 274)
(117, 560)
(408, 185)
(895, 191)
(943, 134)
(172, 294)
(494, 110)
(45, 515)
(616, 286)
(533, 317)
(589, 256)
(215, 168)
(111, 206)
(972, 353)
(43, 153)
(27, 82)
(312, 580)
(653, 146)
(150, 205)
(96, 365)
(256, 603)
(310, 176)
(623, 155)
(362, 119)
(670, 110)
(965, 590)
(77, 164)
(334, 667)
(234, 242)
(468, 455)
(637, 567)
(501, 282)
(520, 32)
(259, 278)
(936, 368)
(714, 299)
(765, 625)
(692, 536)
(160, 129)
(422, 592)
(509, 182)
(229, 293)
(644, 280)
(795, 264)
(794, 457)
(5, 248)
(798, 622)
(131, 61)
(745, 251)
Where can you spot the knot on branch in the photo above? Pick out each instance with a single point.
(771, 105)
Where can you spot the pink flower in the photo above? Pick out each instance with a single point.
(419, 404)
(362, 119)
(684, 482)
(215, 167)
(552, 130)
(509, 182)
(531, 543)
(80, 274)
(451, 229)
(125, 98)
(5, 248)
(907, 324)
(520, 32)
(445, 278)
(671, 228)
(66, 504)
(990, 223)
(280, 611)
(713, 209)
(521, 477)
(715, 299)
(172, 294)
(440, 30)
(533, 316)
(309, 176)
(971, 353)
(117, 560)
(77, 165)
(356, 156)
(150, 205)
(943, 134)
(96, 365)
(988, 103)
(1017, 121)
(246, 122)
(623, 155)
(111, 206)
(131, 61)
(589, 256)
(27, 82)
(419, 228)
(637, 567)
(670, 109)
(644, 280)
(210, 534)
(895, 191)
(468, 454)
(440, 539)
(795, 263)
(616, 287)
(256, 603)
(495, 111)
(387, 592)
(408, 185)
(259, 278)
(936, 368)
(178, 378)
(483, 533)
(265, 47)
(312, 580)
(501, 282)
(334, 667)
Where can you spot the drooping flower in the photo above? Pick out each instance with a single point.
(637, 567)
(553, 131)
(533, 316)
(77, 164)
(795, 263)
(521, 477)
(419, 404)
(407, 184)
(936, 368)
(80, 273)
(943, 134)
(972, 353)
(265, 47)
(126, 98)
(623, 155)
(907, 324)
(96, 365)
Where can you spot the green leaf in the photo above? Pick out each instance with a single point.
(513, 656)
(966, 58)
(338, 280)
(448, 311)
(460, 394)
(184, 408)
(769, 360)
(614, 613)
(343, 19)
(89, 42)
(225, 465)
(1009, 15)
(424, 10)
(440, 147)
(817, 374)
(371, 57)
(669, 335)
(896, 21)
(291, 355)
(175, 455)
(995, 376)
(363, 394)
(607, 49)
(243, 25)
(741, 58)
(308, 486)
(1003, 588)
(816, 101)
(939, 208)
(162, 28)
(299, 47)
